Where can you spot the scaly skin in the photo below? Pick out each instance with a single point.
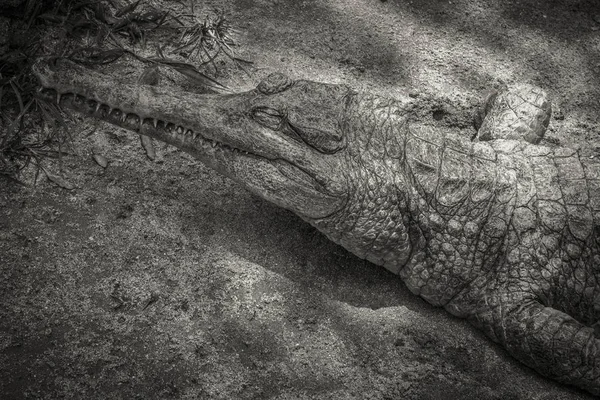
(519, 111)
(501, 232)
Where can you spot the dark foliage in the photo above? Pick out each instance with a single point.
(92, 33)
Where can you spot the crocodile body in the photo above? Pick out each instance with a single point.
(498, 230)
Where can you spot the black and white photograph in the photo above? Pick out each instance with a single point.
(297, 200)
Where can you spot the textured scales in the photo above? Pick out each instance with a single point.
(520, 111)
(498, 230)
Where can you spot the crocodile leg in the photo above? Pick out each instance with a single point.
(544, 338)
(517, 112)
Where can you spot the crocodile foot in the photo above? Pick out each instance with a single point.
(518, 111)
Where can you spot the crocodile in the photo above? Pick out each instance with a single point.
(499, 230)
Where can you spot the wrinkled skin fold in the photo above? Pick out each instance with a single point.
(500, 231)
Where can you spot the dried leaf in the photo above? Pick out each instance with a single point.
(150, 76)
(148, 146)
(60, 181)
(192, 73)
(241, 60)
(56, 19)
(136, 34)
(176, 19)
(13, 179)
(15, 89)
(101, 34)
(151, 16)
(95, 55)
(108, 56)
(100, 160)
(122, 23)
(127, 9)
(80, 24)
(103, 13)
(153, 298)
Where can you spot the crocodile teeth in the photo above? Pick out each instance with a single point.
(134, 117)
(115, 113)
(180, 130)
(213, 144)
(155, 123)
(123, 117)
(58, 95)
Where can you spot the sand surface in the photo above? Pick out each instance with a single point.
(161, 279)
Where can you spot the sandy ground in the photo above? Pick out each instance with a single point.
(161, 279)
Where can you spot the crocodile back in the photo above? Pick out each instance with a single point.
(503, 211)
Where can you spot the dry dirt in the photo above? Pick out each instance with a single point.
(161, 279)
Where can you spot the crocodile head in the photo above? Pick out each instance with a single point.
(319, 150)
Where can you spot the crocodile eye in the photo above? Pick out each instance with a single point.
(327, 142)
(268, 117)
(317, 131)
(275, 83)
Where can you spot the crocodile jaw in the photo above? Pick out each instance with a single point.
(321, 187)
(213, 128)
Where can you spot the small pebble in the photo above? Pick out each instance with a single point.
(100, 160)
